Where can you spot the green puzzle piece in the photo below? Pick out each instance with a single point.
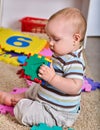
(33, 64)
(43, 126)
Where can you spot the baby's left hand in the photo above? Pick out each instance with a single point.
(46, 73)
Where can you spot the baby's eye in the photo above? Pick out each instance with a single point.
(53, 39)
(56, 39)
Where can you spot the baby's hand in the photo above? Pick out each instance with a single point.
(46, 73)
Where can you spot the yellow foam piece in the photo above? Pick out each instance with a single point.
(1, 51)
(8, 59)
(20, 43)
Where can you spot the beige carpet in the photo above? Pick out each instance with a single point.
(89, 118)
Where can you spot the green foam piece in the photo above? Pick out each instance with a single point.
(70, 128)
(43, 126)
(33, 64)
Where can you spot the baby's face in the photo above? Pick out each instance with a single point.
(60, 36)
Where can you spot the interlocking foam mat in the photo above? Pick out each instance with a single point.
(14, 44)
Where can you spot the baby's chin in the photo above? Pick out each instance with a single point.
(57, 54)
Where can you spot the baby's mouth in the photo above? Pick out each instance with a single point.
(52, 49)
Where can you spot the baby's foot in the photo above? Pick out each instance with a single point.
(10, 99)
(17, 97)
(5, 98)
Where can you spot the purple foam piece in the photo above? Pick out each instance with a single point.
(18, 90)
(6, 109)
(86, 87)
(94, 84)
(46, 52)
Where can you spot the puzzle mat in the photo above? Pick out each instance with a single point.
(14, 44)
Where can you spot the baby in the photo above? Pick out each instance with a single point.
(57, 102)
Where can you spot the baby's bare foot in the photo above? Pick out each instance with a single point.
(5, 98)
(17, 97)
(10, 99)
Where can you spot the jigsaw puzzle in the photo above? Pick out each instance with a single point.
(19, 42)
(31, 66)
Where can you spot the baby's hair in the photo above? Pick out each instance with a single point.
(78, 20)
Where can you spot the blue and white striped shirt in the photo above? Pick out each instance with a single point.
(69, 66)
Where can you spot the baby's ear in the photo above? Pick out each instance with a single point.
(76, 37)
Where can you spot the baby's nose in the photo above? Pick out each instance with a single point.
(51, 43)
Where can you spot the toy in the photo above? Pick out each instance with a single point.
(33, 24)
(86, 86)
(20, 42)
(94, 85)
(1, 51)
(46, 52)
(70, 128)
(14, 44)
(43, 126)
(9, 59)
(29, 82)
(6, 109)
(22, 59)
(9, 109)
(30, 67)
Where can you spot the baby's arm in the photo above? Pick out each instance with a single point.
(67, 85)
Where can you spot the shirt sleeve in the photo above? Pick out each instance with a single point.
(74, 69)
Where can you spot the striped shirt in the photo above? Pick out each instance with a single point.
(68, 66)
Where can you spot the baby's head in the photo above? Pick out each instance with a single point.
(67, 25)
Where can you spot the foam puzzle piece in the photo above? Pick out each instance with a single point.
(94, 85)
(9, 109)
(21, 59)
(86, 86)
(18, 42)
(1, 51)
(70, 128)
(30, 68)
(29, 82)
(43, 126)
(6, 109)
(46, 52)
(9, 59)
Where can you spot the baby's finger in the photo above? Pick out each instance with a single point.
(43, 67)
(39, 75)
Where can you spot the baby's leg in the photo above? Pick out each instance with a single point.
(30, 112)
(10, 99)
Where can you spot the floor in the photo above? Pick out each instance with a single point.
(93, 55)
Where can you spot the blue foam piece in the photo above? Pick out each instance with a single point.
(22, 59)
